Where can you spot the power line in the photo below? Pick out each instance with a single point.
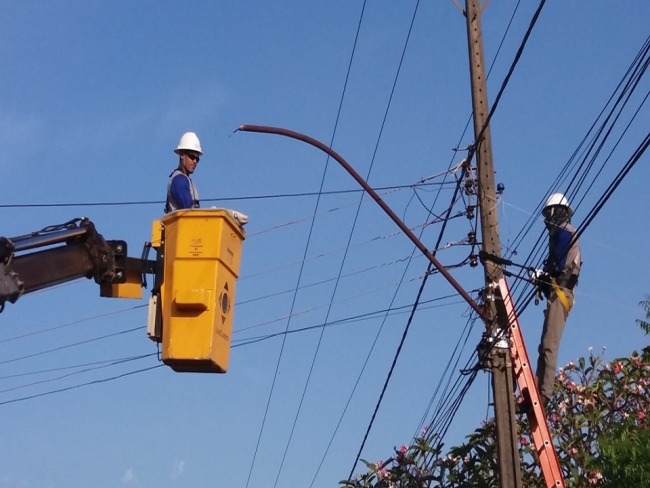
(92, 367)
(507, 78)
(355, 318)
(406, 329)
(444, 394)
(597, 131)
(340, 107)
(127, 203)
(643, 146)
(74, 366)
(67, 346)
(69, 388)
(69, 324)
(609, 116)
(451, 411)
(473, 375)
(244, 342)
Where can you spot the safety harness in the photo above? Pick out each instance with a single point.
(564, 299)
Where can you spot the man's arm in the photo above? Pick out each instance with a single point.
(562, 244)
(180, 189)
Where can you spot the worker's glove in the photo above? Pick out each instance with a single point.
(240, 218)
(536, 274)
(542, 281)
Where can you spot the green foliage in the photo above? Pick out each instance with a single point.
(625, 458)
(645, 325)
(597, 418)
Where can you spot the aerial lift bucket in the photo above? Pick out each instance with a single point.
(202, 250)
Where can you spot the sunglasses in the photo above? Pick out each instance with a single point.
(193, 157)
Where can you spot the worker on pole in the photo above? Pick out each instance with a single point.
(181, 192)
(557, 281)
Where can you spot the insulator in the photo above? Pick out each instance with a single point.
(470, 211)
(471, 237)
(500, 188)
(473, 260)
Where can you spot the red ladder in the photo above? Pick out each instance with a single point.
(548, 459)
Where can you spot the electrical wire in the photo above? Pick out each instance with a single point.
(67, 346)
(70, 388)
(74, 366)
(504, 84)
(588, 143)
(69, 324)
(112, 362)
(323, 305)
(128, 203)
(342, 249)
(452, 365)
(591, 147)
(405, 332)
(325, 281)
(454, 403)
(356, 318)
(463, 390)
(468, 383)
(80, 371)
(643, 146)
(340, 107)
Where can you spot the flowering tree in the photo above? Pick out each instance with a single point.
(598, 418)
(645, 304)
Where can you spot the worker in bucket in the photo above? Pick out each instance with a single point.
(181, 192)
(557, 281)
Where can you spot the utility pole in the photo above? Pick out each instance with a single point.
(497, 335)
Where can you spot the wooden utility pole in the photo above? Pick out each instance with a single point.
(497, 337)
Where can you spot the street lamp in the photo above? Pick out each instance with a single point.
(309, 140)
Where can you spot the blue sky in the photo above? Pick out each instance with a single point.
(95, 96)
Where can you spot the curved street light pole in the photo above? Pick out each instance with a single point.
(309, 140)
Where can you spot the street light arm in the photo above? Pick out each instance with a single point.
(376, 198)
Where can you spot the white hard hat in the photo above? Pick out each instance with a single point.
(558, 199)
(189, 142)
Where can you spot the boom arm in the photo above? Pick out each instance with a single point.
(195, 270)
(73, 250)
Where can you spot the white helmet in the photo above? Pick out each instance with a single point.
(558, 199)
(189, 142)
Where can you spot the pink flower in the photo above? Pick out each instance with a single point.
(523, 441)
(640, 416)
(401, 452)
(573, 451)
(617, 368)
(595, 477)
(425, 429)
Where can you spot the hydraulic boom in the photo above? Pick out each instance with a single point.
(69, 251)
